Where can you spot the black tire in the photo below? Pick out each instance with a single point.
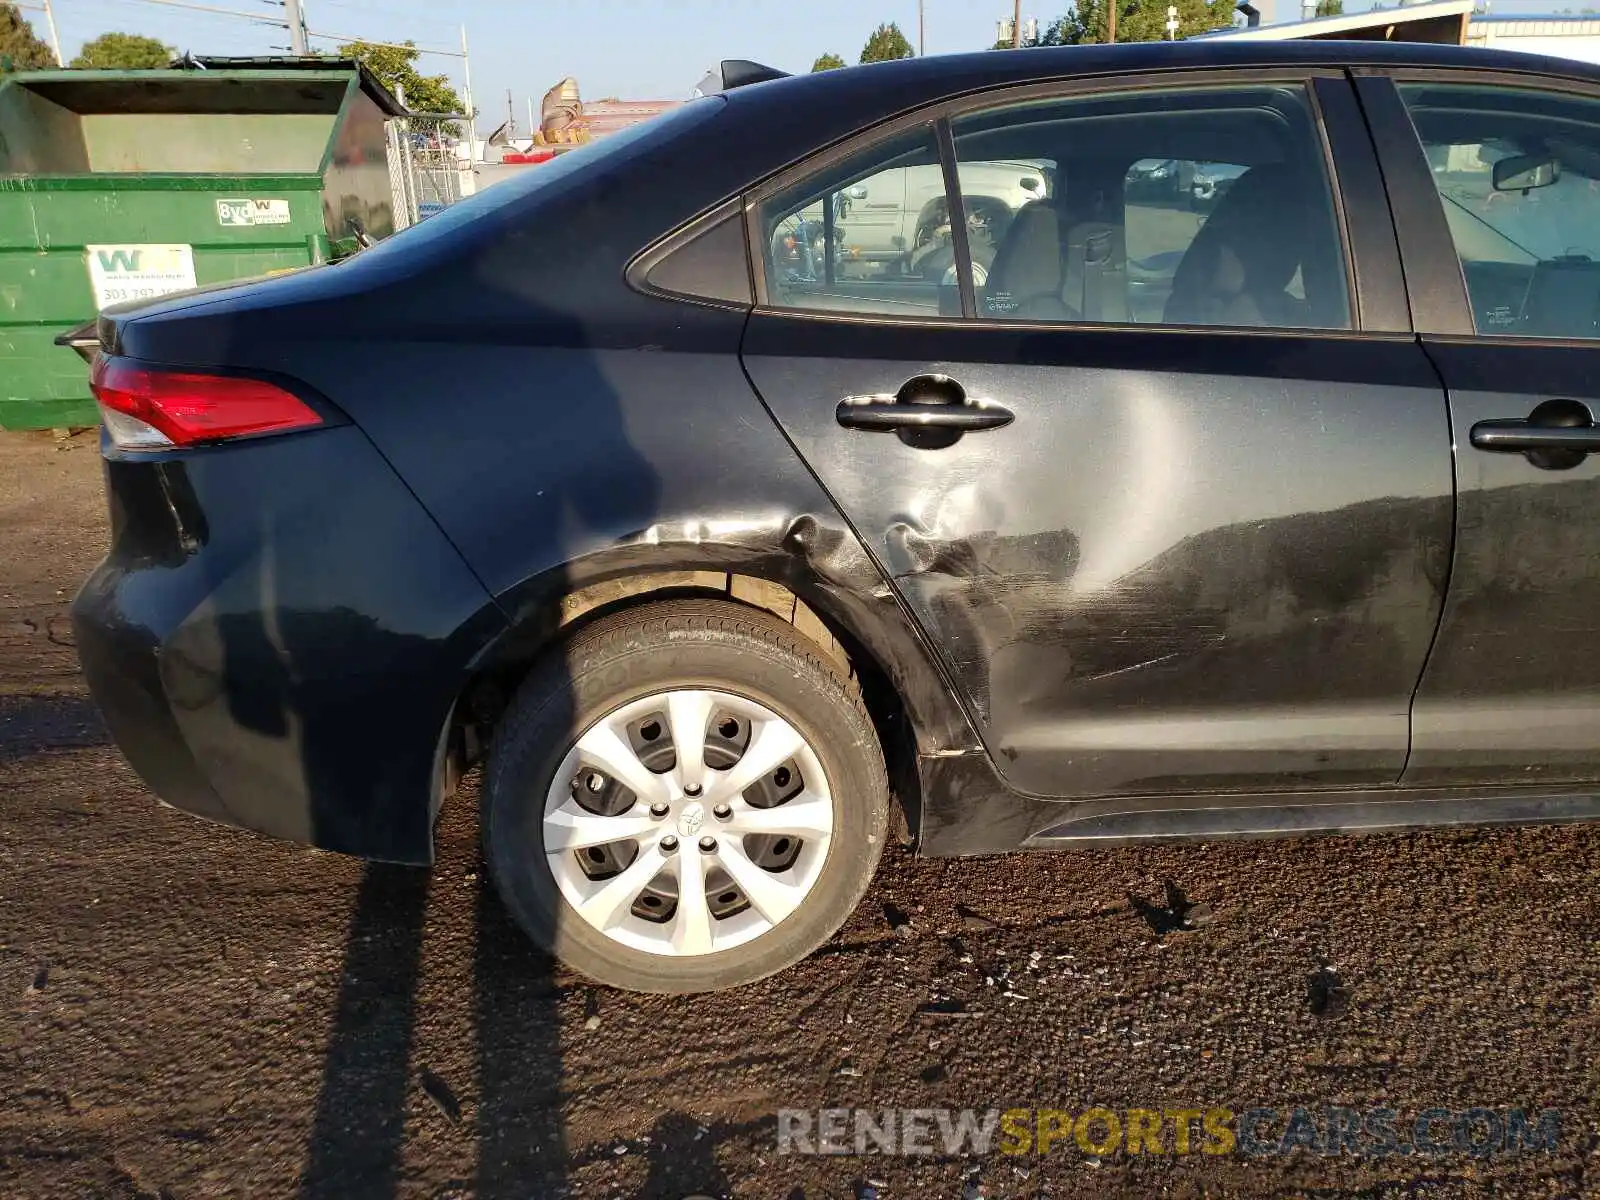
(629, 655)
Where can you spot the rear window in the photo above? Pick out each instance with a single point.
(552, 178)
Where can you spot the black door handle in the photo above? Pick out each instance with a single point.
(932, 406)
(885, 413)
(1556, 435)
(1516, 437)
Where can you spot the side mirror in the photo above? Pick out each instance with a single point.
(1522, 172)
(856, 191)
(1028, 183)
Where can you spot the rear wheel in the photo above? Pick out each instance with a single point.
(690, 798)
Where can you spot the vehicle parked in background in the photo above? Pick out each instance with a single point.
(1158, 179)
(1132, 522)
(897, 222)
(1209, 181)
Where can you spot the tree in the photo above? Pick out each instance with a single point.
(1330, 8)
(1139, 20)
(827, 62)
(123, 52)
(396, 67)
(886, 44)
(20, 47)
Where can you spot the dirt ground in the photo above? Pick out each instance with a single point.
(190, 1011)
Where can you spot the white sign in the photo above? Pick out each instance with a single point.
(252, 212)
(120, 273)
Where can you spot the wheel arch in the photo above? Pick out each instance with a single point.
(866, 632)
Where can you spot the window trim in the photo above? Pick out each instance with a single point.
(941, 113)
(960, 243)
(637, 271)
(1441, 305)
(1374, 276)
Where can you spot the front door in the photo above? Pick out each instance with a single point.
(1512, 690)
(1173, 522)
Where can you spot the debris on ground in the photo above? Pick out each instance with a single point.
(440, 1093)
(1327, 996)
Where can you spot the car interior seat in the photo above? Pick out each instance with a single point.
(1239, 267)
(1060, 260)
(1096, 271)
(1026, 277)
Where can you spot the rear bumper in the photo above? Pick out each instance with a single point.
(277, 639)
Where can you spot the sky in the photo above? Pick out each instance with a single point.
(632, 49)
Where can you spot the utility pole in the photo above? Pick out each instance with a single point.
(297, 28)
(511, 115)
(1016, 26)
(472, 112)
(1111, 15)
(922, 29)
(55, 38)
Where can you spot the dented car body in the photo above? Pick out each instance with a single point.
(1196, 579)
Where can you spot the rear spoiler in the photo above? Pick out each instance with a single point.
(736, 73)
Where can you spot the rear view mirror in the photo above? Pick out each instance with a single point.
(1521, 172)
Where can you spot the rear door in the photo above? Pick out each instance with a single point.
(1172, 496)
(1496, 184)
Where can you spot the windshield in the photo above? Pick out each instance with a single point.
(1539, 224)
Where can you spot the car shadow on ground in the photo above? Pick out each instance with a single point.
(29, 724)
(358, 1134)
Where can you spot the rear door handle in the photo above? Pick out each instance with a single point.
(885, 413)
(1515, 437)
(1555, 436)
(924, 402)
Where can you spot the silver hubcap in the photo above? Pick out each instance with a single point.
(688, 822)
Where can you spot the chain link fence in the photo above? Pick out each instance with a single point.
(428, 166)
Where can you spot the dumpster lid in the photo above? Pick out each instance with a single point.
(152, 91)
(370, 83)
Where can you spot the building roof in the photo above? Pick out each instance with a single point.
(1538, 24)
(612, 116)
(1346, 24)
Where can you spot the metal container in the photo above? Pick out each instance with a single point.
(121, 185)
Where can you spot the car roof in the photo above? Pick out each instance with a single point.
(912, 82)
(799, 115)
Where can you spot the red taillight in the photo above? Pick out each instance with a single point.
(186, 408)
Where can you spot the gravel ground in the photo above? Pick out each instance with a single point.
(191, 1011)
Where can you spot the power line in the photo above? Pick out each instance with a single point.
(347, 37)
(225, 12)
(280, 22)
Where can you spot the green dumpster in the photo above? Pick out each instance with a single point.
(121, 185)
